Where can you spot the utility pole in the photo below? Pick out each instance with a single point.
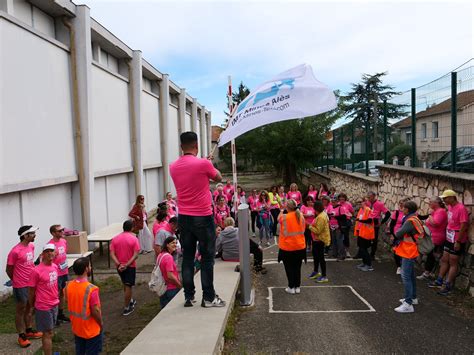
(376, 117)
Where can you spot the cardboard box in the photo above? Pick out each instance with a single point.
(77, 244)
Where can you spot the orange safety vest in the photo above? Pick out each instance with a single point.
(407, 248)
(78, 296)
(365, 230)
(357, 224)
(291, 232)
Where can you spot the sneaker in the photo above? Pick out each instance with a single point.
(445, 291)
(217, 302)
(253, 235)
(267, 244)
(291, 291)
(62, 317)
(23, 341)
(322, 279)
(435, 283)
(414, 301)
(399, 271)
(348, 255)
(424, 276)
(128, 310)
(360, 265)
(132, 303)
(405, 308)
(366, 268)
(297, 290)
(33, 334)
(314, 275)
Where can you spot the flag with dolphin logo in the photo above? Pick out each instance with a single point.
(295, 93)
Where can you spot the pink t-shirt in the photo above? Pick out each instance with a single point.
(45, 279)
(398, 223)
(191, 178)
(294, 195)
(61, 258)
(124, 245)
(221, 214)
(22, 259)
(216, 194)
(94, 297)
(252, 201)
(309, 214)
(313, 194)
(377, 209)
(457, 214)
(348, 207)
(159, 226)
(229, 192)
(167, 264)
(438, 231)
(331, 211)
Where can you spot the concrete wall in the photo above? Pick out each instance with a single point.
(122, 150)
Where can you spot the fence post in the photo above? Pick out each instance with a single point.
(334, 148)
(367, 130)
(385, 160)
(342, 148)
(244, 253)
(352, 144)
(413, 127)
(454, 119)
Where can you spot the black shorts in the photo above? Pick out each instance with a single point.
(20, 294)
(128, 276)
(449, 247)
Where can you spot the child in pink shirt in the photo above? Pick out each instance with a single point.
(309, 214)
(222, 212)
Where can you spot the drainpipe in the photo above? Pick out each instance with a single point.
(164, 108)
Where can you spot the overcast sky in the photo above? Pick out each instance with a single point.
(200, 43)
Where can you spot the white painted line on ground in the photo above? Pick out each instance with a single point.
(272, 261)
(370, 308)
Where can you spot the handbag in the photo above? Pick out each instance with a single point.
(157, 282)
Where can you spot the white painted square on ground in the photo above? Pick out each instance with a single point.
(318, 299)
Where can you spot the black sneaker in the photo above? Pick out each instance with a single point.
(216, 302)
(189, 302)
(133, 303)
(128, 310)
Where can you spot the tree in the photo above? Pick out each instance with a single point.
(364, 102)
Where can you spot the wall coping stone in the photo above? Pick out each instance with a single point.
(429, 172)
(369, 179)
(323, 175)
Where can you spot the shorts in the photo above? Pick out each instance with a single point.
(449, 247)
(62, 281)
(128, 276)
(90, 346)
(20, 294)
(45, 320)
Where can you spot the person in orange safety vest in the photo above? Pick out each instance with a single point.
(84, 310)
(405, 246)
(292, 245)
(364, 230)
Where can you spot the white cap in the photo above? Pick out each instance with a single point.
(31, 230)
(49, 247)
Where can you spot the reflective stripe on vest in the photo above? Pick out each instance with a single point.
(285, 229)
(83, 314)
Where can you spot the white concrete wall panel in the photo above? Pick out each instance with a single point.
(110, 121)
(173, 134)
(198, 132)
(100, 203)
(35, 108)
(22, 11)
(151, 147)
(205, 153)
(152, 194)
(43, 22)
(118, 202)
(187, 122)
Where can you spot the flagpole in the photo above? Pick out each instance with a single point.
(232, 145)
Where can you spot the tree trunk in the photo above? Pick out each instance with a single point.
(290, 173)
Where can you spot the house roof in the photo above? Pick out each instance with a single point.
(216, 133)
(464, 99)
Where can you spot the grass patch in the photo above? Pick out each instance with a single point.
(7, 316)
(57, 338)
(229, 332)
(110, 284)
(150, 309)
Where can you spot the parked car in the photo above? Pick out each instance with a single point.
(464, 164)
(373, 171)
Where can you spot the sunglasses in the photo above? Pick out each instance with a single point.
(59, 230)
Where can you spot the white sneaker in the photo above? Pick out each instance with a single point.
(414, 301)
(297, 290)
(399, 271)
(291, 291)
(405, 308)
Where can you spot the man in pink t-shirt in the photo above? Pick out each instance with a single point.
(44, 294)
(60, 259)
(229, 192)
(378, 210)
(454, 246)
(191, 177)
(20, 265)
(124, 250)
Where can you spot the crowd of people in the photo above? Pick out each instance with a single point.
(199, 225)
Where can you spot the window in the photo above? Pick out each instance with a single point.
(408, 138)
(423, 131)
(434, 129)
(34, 17)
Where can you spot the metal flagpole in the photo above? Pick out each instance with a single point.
(232, 146)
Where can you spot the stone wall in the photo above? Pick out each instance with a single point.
(355, 185)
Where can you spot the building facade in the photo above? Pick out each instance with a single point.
(86, 123)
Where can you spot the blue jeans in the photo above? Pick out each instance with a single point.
(91, 346)
(338, 249)
(167, 297)
(409, 280)
(196, 229)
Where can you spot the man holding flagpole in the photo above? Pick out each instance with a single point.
(191, 177)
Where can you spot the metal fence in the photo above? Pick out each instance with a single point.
(435, 132)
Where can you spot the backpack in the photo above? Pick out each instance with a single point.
(157, 282)
(424, 242)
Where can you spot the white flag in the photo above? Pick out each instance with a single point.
(295, 93)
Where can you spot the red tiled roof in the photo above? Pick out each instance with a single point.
(216, 133)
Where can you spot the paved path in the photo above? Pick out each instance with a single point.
(356, 316)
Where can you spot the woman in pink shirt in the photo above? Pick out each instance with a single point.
(294, 194)
(309, 214)
(252, 202)
(264, 222)
(323, 190)
(169, 270)
(219, 191)
(222, 211)
(283, 197)
(171, 205)
(312, 192)
(436, 221)
(344, 215)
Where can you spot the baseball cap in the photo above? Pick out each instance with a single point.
(49, 246)
(448, 193)
(27, 229)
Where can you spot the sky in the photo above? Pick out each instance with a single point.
(200, 43)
